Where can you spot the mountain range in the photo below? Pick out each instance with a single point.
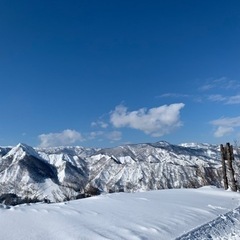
(54, 173)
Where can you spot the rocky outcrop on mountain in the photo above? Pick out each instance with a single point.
(154, 166)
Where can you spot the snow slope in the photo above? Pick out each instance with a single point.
(162, 214)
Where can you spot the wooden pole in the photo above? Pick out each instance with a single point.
(229, 155)
(224, 170)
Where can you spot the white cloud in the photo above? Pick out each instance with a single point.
(173, 95)
(220, 83)
(154, 121)
(100, 124)
(114, 136)
(95, 134)
(226, 99)
(66, 137)
(206, 87)
(217, 98)
(223, 131)
(234, 99)
(227, 122)
(225, 126)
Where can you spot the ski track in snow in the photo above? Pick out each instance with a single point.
(225, 227)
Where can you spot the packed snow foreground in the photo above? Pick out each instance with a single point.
(204, 213)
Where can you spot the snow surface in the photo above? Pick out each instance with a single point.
(161, 214)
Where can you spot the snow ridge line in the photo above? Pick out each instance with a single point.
(223, 227)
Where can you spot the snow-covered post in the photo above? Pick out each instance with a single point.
(224, 170)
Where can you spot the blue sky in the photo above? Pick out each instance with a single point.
(105, 73)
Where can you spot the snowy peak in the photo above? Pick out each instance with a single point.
(18, 152)
(160, 144)
(23, 165)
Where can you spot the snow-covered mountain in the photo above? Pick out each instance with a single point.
(133, 167)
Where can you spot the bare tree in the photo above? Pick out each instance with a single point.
(10, 187)
(32, 193)
(57, 196)
(90, 191)
(65, 193)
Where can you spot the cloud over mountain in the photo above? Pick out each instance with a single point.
(225, 125)
(154, 121)
(66, 137)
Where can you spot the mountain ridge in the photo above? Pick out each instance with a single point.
(129, 168)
